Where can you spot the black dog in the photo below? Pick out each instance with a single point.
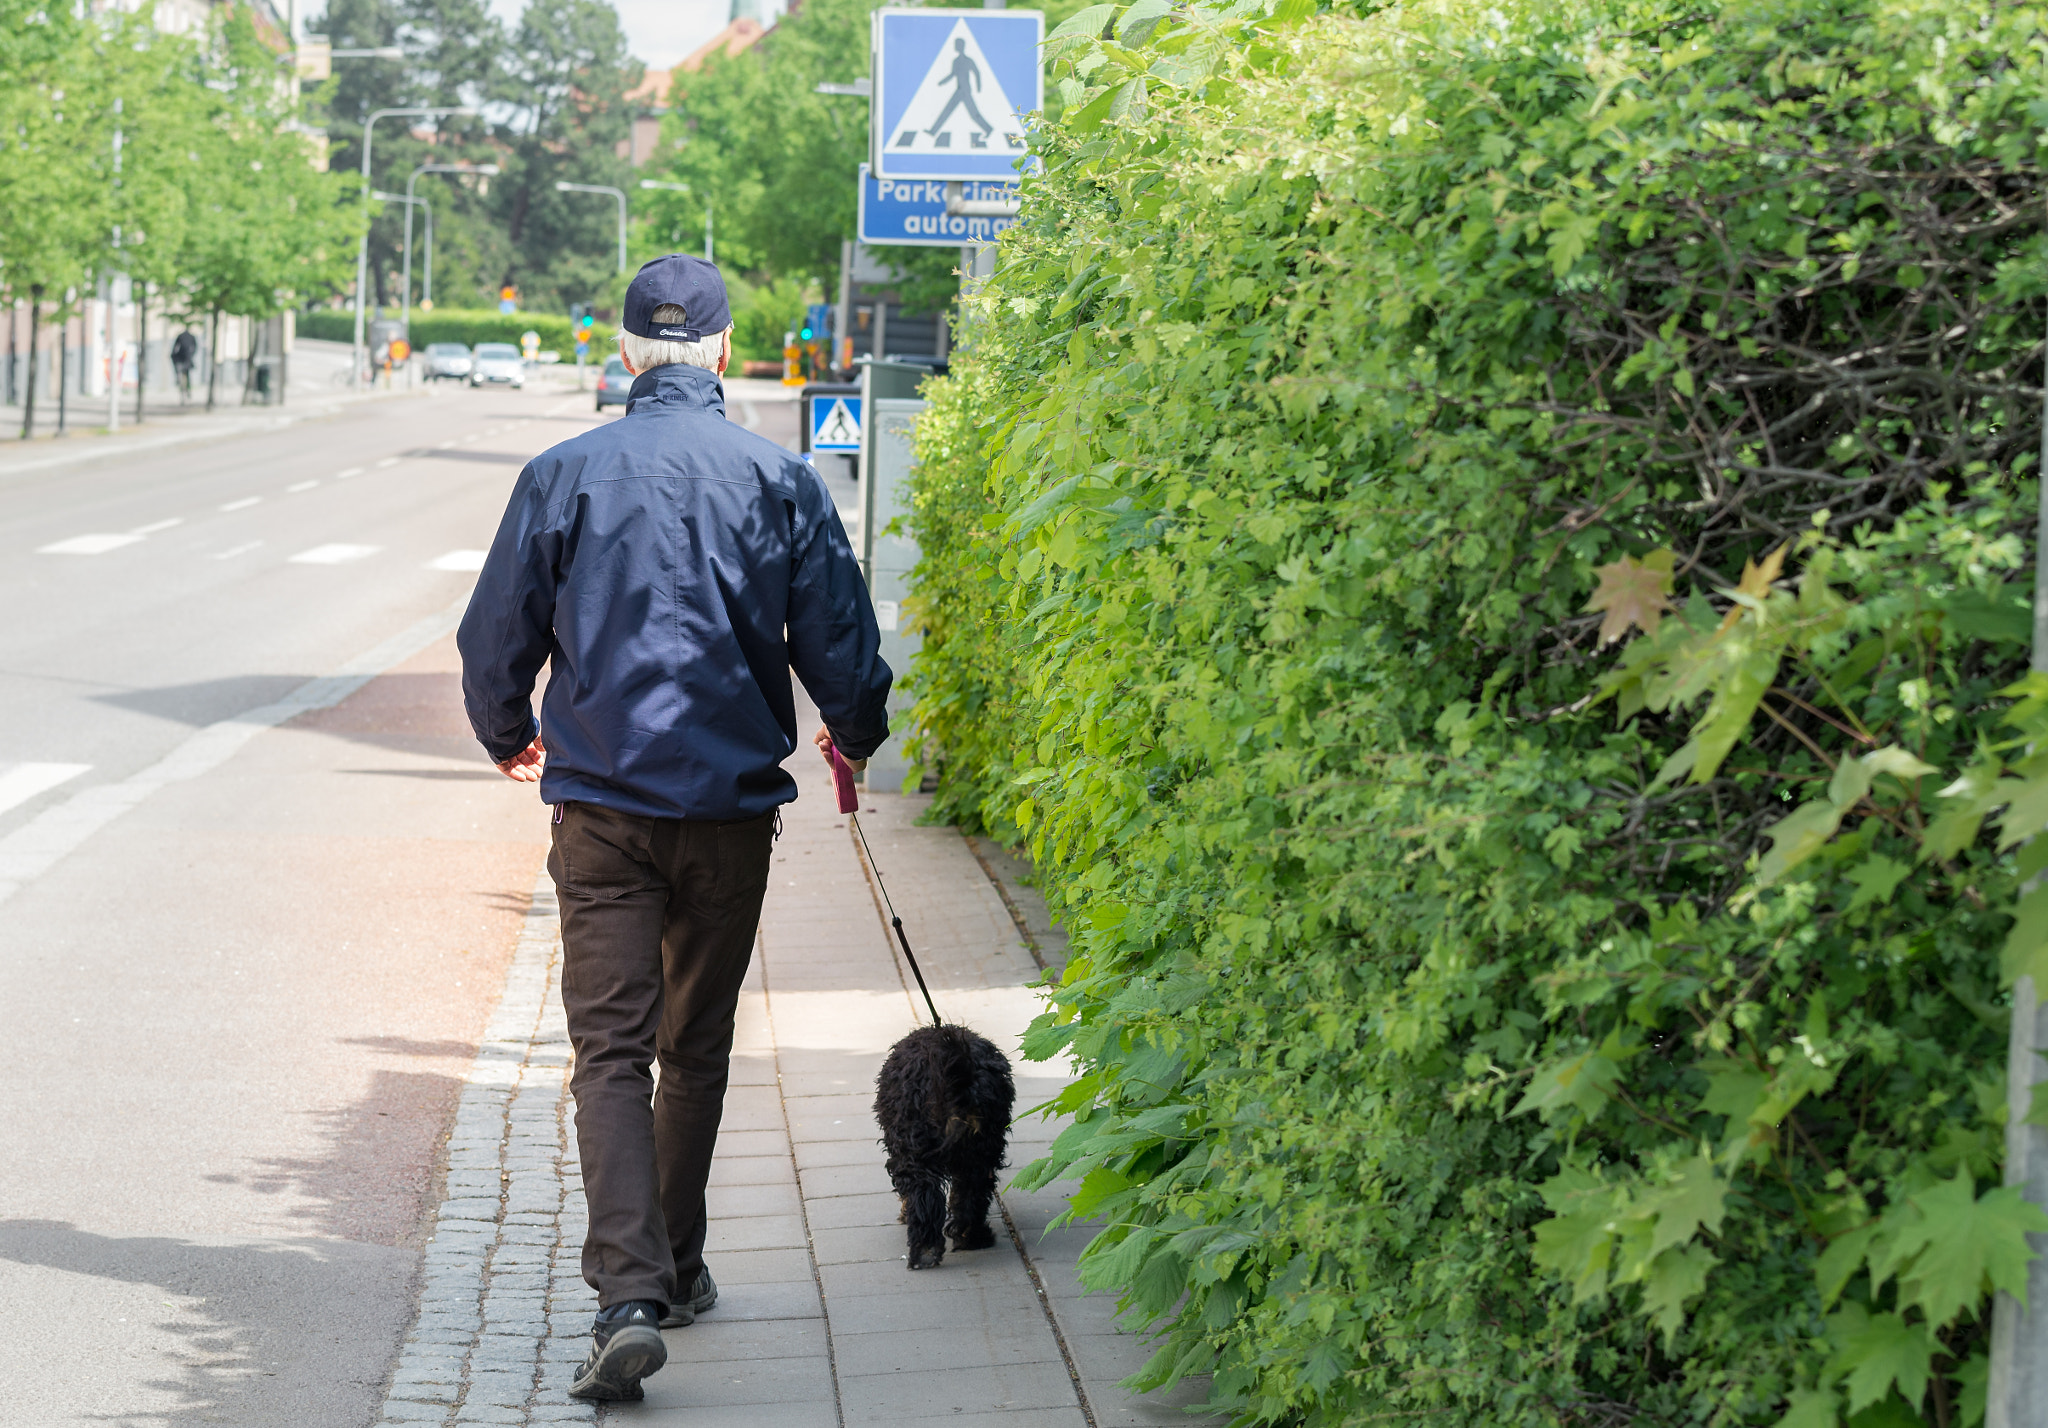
(943, 1100)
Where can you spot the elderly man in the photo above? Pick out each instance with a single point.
(673, 569)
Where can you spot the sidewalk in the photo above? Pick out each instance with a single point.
(819, 1325)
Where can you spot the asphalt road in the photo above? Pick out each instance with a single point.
(244, 957)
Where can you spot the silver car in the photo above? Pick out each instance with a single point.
(497, 362)
(446, 359)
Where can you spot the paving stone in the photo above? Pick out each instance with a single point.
(758, 1381)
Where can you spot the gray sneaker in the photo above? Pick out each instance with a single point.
(703, 1294)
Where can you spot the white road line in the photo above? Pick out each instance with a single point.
(300, 486)
(443, 445)
(155, 526)
(242, 505)
(88, 545)
(234, 550)
(387, 461)
(334, 554)
(32, 849)
(352, 471)
(470, 561)
(21, 782)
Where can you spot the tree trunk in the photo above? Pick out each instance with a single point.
(28, 406)
(63, 371)
(13, 306)
(141, 345)
(212, 358)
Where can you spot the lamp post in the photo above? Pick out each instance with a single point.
(363, 247)
(428, 293)
(562, 186)
(685, 188)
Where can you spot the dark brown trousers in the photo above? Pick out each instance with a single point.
(658, 922)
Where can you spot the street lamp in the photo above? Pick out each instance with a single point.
(428, 294)
(562, 186)
(363, 247)
(409, 201)
(685, 188)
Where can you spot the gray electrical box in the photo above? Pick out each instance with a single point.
(889, 405)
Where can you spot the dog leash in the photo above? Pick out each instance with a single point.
(849, 804)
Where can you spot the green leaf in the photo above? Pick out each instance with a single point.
(1961, 1244)
(1797, 837)
(1876, 1351)
(1840, 1260)
(1812, 1408)
(1580, 1082)
(2025, 953)
(1727, 718)
(1874, 879)
(1696, 1199)
(1677, 1275)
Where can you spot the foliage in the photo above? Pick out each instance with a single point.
(1478, 1022)
(551, 101)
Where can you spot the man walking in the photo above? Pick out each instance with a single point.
(673, 569)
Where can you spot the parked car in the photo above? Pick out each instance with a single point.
(446, 359)
(614, 384)
(497, 362)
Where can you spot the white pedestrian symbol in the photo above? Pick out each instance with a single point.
(839, 428)
(960, 99)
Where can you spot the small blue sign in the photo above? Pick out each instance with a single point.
(835, 423)
(912, 212)
(952, 92)
(582, 347)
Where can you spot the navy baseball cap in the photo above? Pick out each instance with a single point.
(692, 284)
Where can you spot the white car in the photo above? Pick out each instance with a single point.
(446, 359)
(497, 362)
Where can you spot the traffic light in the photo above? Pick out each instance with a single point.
(588, 322)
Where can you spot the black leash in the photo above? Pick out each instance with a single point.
(895, 922)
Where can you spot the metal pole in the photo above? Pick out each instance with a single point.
(405, 302)
(427, 287)
(363, 247)
(113, 299)
(2019, 1336)
(564, 186)
(622, 228)
(707, 233)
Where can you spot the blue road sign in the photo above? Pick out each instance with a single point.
(912, 212)
(835, 423)
(952, 89)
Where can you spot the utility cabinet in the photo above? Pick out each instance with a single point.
(889, 405)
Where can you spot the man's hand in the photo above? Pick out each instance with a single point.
(823, 739)
(526, 765)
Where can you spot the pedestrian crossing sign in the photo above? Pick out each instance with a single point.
(953, 92)
(835, 423)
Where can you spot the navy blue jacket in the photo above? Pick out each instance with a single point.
(674, 568)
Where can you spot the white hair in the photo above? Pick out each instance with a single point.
(645, 353)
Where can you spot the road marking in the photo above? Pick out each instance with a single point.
(334, 554)
(387, 461)
(300, 486)
(464, 560)
(155, 526)
(32, 849)
(242, 505)
(88, 545)
(21, 782)
(471, 437)
(234, 550)
(352, 471)
(443, 445)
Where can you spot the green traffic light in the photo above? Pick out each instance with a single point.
(807, 334)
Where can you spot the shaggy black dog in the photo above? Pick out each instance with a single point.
(943, 1100)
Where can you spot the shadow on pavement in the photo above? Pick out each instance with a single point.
(262, 1332)
(207, 701)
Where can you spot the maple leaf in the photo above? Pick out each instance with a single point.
(1632, 593)
(1962, 1241)
(1878, 1350)
(1754, 587)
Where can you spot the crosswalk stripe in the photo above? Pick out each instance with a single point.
(334, 554)
(21, 782)
(88, 545)
(464, 560)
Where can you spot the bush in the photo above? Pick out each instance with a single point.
(1478, 1023)
(469, 328)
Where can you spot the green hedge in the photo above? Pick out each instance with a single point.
(468, 328)
(1484, 550)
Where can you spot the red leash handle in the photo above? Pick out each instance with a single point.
(842, 780)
